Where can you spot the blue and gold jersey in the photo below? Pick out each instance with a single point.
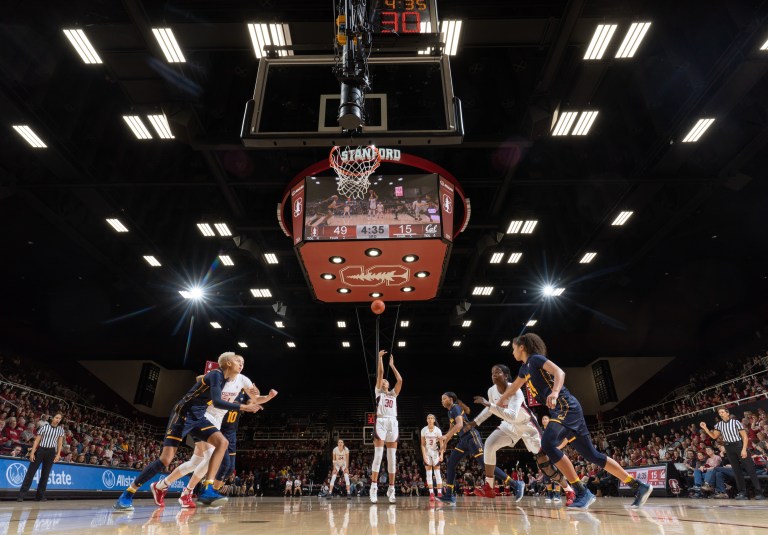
(539, 380)
(454, 412)
(205, 392)
(232, 418)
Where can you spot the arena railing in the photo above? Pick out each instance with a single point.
(671, 419)
(290, 435)
(690, 398)
(701, 393)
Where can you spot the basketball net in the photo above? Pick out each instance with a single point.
(353, 166)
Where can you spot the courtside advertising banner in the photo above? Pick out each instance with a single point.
(65, 476)
(655, 476)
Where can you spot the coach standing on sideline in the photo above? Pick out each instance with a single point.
(736, 441)
(46, 449)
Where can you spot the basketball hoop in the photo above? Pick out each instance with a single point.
(353, 166)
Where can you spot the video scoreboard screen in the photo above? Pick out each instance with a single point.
(394, 207)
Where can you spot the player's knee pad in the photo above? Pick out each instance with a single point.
(190, 466)
(391, 460)
(429, 477)
(548, 468)
(378, 453)
(202, 469)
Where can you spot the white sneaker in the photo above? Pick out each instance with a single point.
(374, 494)
(556, 499)
(391, 494)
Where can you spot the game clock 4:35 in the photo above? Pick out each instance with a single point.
(401, 16)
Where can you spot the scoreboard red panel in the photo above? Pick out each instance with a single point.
(388, 274)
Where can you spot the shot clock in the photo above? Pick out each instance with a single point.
(403, 16)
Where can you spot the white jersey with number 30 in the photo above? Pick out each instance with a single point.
(387, 404)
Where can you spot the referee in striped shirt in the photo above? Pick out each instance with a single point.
(735, 439)
(46, 450)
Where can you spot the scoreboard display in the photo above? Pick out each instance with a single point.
(401, 16)
(370, 418)
(394, 207)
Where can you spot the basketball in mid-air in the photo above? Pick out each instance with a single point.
(378, 306)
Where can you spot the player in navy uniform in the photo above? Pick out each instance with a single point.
(469, 443)
(229, 430)
(188, 418)
(545, 381)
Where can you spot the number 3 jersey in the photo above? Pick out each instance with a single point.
(430, 438)
(386, 404)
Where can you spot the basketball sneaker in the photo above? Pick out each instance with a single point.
(124, 502)
(431, 496)
(158, 494)
(549, 497)
(641, 495)
(556, 499)
(374, 494)
(186, 501)
(584, 500)
(519, 491)
(486, 491)
(570, 496)
(448, 498)
(211, 497)
(391, 494)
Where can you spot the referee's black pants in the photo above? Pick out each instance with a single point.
(45, 457)
(739, 465)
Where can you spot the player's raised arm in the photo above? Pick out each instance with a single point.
(380, 369)
(398, 377)
(263, 399)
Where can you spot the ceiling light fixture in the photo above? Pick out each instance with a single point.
(456, 343)
(291, 344)
(466, 323)
(451, 32)
(531, 323)
(161, 126)
(226, 260)
(410, 258)
(328, 276)
(29, 136)
(407, 289)
(168, 44)
(528, 227)
(422, 274)
(564, 123)
(82, 46)
(117, 225)
(633, 39)
(336, 260)
(216, 325)
(242, 344)
(344, 290)
(505, 343)
(279, 324)
(222, 229)
(375, 295)
(341, 324)
(263, 35)
(698, 130)
(405, 323)
(622, 218)
(137, 126)
(496, 258)
(152, 261)
(587, 258)
(206, 230)
(482, 290)
(401, 343)
(514, 227)
(345, 344)
(584, 123)
(514, 258)
(261, 292)
(600, 39)
(271, 258)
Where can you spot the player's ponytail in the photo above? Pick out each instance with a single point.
(458, 402)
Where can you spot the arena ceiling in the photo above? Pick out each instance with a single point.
(685, 274)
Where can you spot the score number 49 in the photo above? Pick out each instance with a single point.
(406, 21)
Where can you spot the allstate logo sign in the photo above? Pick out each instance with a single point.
(15, 474)
(108, 478)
